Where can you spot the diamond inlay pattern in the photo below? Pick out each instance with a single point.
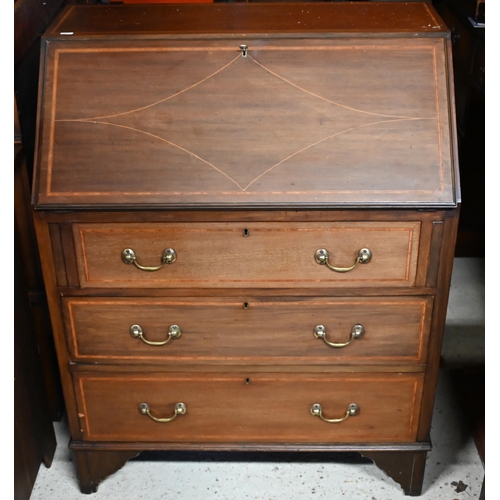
(282, 120)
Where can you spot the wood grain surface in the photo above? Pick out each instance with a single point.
(244, 331)
(280, 127)
(343, 18)
(220, 255)
(249, 407)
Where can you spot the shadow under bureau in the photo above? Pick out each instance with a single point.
(246, 216)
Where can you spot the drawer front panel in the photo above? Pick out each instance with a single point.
(249, 407)
(247, 255)
(394, 329)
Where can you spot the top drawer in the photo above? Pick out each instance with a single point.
(251, 255)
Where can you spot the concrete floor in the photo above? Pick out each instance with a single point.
(188, 476)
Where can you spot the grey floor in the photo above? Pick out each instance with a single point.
(454, 458)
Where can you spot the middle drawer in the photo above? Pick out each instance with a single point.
(262, 330)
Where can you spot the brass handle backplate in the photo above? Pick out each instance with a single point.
(169, 256)
(174, 332)
(357, 331)
(179, 409)
(322, 257)
(317, 411)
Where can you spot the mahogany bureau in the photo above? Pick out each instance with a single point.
(246, 216)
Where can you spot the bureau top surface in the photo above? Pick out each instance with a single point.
(246, 106)
(220, 18)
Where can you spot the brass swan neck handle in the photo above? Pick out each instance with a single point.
(357, 331)
(169, 256)
(322, 257)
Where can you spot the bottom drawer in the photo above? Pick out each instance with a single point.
(273, 408)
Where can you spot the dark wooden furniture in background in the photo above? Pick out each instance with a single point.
(34, 437)
(30, 21)
(466, 19)
(197, 186)
(38, 397)
(32, 278)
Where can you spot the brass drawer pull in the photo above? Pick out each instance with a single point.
(169, 256)
(317, 411)
(174, 332)
(179, 409)
(321, 256)
(357, 332)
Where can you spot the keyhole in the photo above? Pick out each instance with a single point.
(246, 232)
(245, 305)
(247, 381)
